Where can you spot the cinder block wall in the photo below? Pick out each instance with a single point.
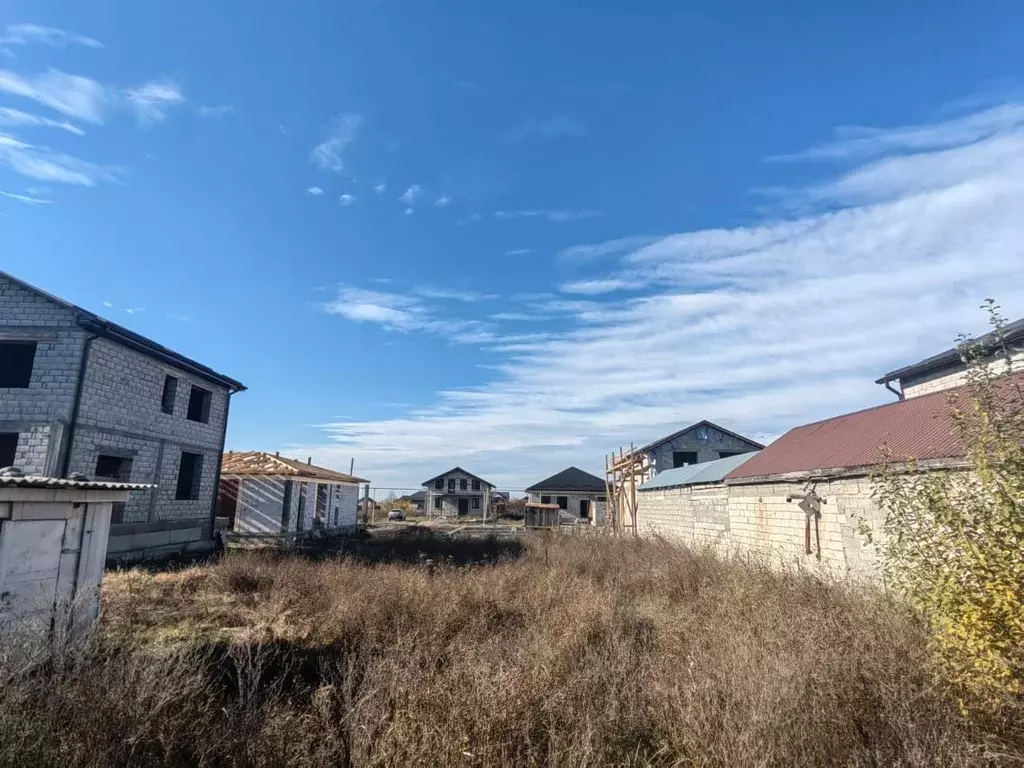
(573, 499)
(707, 449)
(756, 519)
(943, 379)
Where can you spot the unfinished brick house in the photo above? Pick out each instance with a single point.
(80, 394)
(578, 494)
(947, 370)
(697, 443)
(457, 493)
(268, 493)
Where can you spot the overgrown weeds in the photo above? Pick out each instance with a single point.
(578, 651)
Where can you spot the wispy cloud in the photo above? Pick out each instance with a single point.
(586, 253)
(346, 199)
(134, 310)
(552, 128)
(758, 327)
(411, 195)
(26, 198)
(152, 101)
(467, 296)
(71, 95)
(601, 285)
(108, 305)
(380, 188)
(556, 216)
(44, 164)
(219, 110)
(314, 191)
(861, 142)
(442, 201)
(519, 251)
(330, 153)
(15, 117)
(23, 34)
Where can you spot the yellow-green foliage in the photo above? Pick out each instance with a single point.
(953, 541)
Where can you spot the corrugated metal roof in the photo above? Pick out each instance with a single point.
(263, 464)
(705, 472)
(61, 483)
(920, 427)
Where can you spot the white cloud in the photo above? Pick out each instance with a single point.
(219, 110)
(553, 128)
(380, 188)
(758, 327)
(329, 154)
(151, 101)
(314, 191)
(601, 285)
(44, 164)
(15, 117)
(582, 253)
(71, 95)
(442, 201)
(347, 199)
(108, 305)
(135, 310)
(23, 34)
(26, 198)
(411, 195)
(519, 251)
(429, 292)
(557, 216)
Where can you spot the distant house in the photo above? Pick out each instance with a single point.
(414, 500)
(457, 493)
(695, 444)
(946, 370)
(268, 493)
(578, 494)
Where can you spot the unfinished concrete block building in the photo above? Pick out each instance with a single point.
(81, 394)
(457, 493)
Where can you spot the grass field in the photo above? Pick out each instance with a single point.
(550, 650)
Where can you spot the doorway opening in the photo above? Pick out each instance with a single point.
(463, 507)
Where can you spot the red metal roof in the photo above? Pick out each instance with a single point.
(920, 427)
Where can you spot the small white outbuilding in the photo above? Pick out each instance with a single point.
(53, 544)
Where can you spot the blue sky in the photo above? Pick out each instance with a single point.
(516, 235)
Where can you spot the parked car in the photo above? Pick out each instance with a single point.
(396, 514)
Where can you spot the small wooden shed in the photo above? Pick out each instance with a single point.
(542, 515)
(53, 544)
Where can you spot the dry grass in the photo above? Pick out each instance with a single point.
(574, 651)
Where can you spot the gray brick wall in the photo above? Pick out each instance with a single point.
(708, 447)
(91, 443)
(36, 412)
(449, 500)
(573, 499)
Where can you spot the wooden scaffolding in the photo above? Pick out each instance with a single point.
(624, 472)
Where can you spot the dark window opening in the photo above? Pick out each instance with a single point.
(170, 391)
(8, 448)
(545, 499)
(476, 503)
(585, 508)
(199, 404)
(463, 485)
(451, 485)
(439, 485)
(190, 472)
(683, 458)
(602, 498)
(727, 454)
(16, 361)
(476, 485)
(437, 502)
(115, 468)
(563, 502)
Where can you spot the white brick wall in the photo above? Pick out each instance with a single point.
(939, 381)
(757, 519)
(573, 499)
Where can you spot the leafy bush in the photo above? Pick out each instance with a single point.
(953, 541)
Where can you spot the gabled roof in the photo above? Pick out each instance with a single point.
(695, 474)
(571, 479)
(117, 333)
(920, 427)
(458, 469)
(262, 464)
(1012, 333)
(701, 423)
